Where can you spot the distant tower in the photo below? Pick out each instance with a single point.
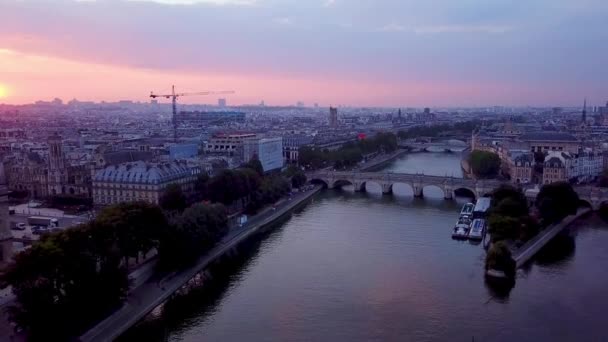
(399, 114)
(427, 111)
(333, 117)
(57, 173)
(221, 103)
(585, 111)
(56, 157)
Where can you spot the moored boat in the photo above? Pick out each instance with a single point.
(467, 209)
(461, 229)
(477, 229)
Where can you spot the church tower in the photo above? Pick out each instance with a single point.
(57, 172)
(56, 157)
(585, 111)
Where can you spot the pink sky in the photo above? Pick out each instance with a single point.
(408, 53)
(31, 77)
(27, 78)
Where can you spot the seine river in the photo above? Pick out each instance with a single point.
(367, 267)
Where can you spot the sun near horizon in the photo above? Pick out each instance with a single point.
(3, 91)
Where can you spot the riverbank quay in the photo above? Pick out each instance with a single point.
(155, 292)
(524, 253)
(381, 161)
(464, 163)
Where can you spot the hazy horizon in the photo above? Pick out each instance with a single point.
(356, 53)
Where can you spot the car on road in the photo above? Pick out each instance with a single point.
(19, 226)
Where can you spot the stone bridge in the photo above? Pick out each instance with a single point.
(444, 145)
(592, 197)
(417, 182)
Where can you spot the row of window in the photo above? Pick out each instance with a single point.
(221, 147)
(121, 192)
(141, 186)
(114, 200)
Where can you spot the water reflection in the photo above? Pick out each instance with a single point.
(499, 289)
(198, 301)
(366, 266)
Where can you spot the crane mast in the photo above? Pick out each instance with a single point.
(173, 96)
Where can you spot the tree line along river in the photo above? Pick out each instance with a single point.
(362, 266)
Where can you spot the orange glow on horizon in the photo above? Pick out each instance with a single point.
(35, 77)
(3, 91)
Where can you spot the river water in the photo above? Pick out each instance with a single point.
(367, 267)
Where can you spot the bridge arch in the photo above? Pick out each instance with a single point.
(340, 183)
(463, 191)
(586, 204)
(403, 188)
(371, 184)
(440, 188)
(319, 181)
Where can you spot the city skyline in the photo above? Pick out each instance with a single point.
(473, 53)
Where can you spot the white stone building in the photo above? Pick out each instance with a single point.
(227, 143)
(581, 167)
(269, 151)
(141, 181)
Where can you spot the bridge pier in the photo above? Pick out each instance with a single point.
(387, 189)
(418, 191)
(359, 186)
(448, 194)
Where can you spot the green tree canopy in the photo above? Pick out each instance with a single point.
(507, 191)
(511, 207)
(133, 227)
(298, 180)
(499, 258)
(65, 282)
(192, 233)
(484, 164)
(555, 201)
(255, 165)
(201, 186)
(173, 199)
(503, 227)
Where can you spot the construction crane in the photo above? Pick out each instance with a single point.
(173, 96)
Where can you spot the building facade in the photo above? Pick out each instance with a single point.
(551, 141)
(291, 146)
(333, 117)
(141, 181)
(269, 151)
(522, 168)
(29, 171)
(554, 168)
(582, 167)
(227, 142)
(586, 166)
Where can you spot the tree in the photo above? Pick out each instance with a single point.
(255, 165)
(201, 186)
(484, 164)
(555, 201)
(225, 188)
(173, 199)
(298, 179)
(503, 227)
(65, 282)
(507, 191)
(133, 228)
(511, 207)
(191, 234)
(499, 258)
